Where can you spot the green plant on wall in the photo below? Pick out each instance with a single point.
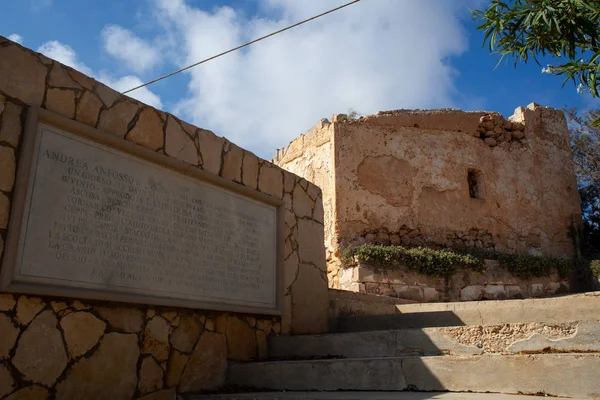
(445, 263)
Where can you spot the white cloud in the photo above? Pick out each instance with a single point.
(16, 38)
(66, 55)
(124, 45)
(374, 55)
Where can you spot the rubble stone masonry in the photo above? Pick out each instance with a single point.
(442, 178)
(67, 348)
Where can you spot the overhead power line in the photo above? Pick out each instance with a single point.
(239, 47)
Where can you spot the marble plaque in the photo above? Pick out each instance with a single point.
(116, 226)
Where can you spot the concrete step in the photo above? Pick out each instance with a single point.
(569, 375)
(555, 310)
(359, 396)
(344, 303)
(465, 340)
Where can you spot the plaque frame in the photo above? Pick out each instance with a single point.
(9, 273)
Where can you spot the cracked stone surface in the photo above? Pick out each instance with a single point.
(207, 364)
(186, 335)
(29, 393)
(27, 308)
(151, 376)
(8, 333)
(41, 355)
(125, 319)
(82, 331)
(6, 381)
(156, 339)
(109, 373)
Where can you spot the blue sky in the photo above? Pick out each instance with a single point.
(375, 55)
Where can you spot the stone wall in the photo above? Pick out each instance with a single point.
(71, 348)
(447, 178)
(494, 283)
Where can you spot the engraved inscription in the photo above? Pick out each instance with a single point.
(102, 219)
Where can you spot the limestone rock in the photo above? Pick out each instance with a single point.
(241, 340)
(207, 365)
(211, 149)
(186, 335)
(156, 339)
(148, 130)
(82, 331)
(494, 292)
(261, 340)
(151, 376)
(175, 366)
(10, 131)
(312, 248)
(61, 101)
(430, 295)
(58, 306)
(7, 168)
(29, 393)
(4, 210)
(470, 293)
(310, 301)
(250, 170)
(232, 163)
(60, 78)
(125, 319)
(270, 181)
(40, 355)
(490, 142)
(106, 94)
(24, 77)
(88, 109)
(290, 269)
(8, 333)
(81, 79)
(178, 144)
(116, 119)
(6, 380)
(167, 394)
(109, 373)
(7, 302)
(27, 308)
(302, 203)
(517, 134)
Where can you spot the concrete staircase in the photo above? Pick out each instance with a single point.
(516, 347)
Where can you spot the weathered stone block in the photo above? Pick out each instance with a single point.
(232, 163)
(6, 380)
(22, 75)
(270, 181)
(494, 292)
(178, 144)
(175, 366)
(82, 331)
(156, 339)
(7, 168)
(430, 294)
(4, 210)
(471, 293)
(60, 78)
(312, 248)
(310, 301)
(211, 149)
(8, 333)
(29, 393)
(7, 302)
(148, 130)
(88, 109)
(241, 340)
(116, 119)
(40, 354)
(129, 320)
(110, 373)
(186, 335)
(61, 101)
(206, 367)
(250, 170)
(303, 204)
(167, 394)
(409, 292)
(28, 308)
(150, 376)
(11, 128)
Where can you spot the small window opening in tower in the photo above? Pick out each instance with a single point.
(475, 179)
